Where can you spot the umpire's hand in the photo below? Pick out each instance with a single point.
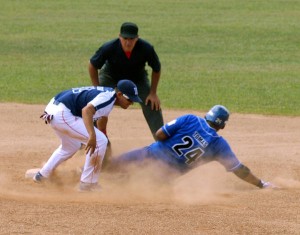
(155, 102)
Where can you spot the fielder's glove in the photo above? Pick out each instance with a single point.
(46, 117)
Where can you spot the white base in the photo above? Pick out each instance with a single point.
(31, 172)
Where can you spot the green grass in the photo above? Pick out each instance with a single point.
(242, 54)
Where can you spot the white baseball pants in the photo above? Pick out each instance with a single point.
(72, 132)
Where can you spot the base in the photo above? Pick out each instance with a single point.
(31, 172)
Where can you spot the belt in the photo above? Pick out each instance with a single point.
(56, 102)
(60, 104)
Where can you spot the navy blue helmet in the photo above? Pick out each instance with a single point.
(218, 115)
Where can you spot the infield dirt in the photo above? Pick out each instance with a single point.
(207, 200)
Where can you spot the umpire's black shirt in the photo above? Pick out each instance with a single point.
(118, 66)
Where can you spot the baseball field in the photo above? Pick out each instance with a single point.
(244, 55)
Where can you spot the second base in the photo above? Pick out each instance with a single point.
(31, 172)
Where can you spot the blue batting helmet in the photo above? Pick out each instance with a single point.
(218, 115)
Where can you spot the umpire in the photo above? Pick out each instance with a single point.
(125, 58)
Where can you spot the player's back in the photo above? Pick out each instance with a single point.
(190, 138)
(77, 98)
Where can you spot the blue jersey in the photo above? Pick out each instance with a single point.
(191, 142)
(75, 99)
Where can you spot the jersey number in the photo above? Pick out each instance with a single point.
(191, 155)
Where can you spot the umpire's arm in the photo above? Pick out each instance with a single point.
(93, 74)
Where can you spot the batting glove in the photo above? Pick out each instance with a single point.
(266, 185)
(46, 117)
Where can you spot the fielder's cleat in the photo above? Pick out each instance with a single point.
(39, 178)
(89, 187)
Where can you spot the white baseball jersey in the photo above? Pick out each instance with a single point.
(66, 108)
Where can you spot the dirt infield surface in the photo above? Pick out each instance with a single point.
(207, 200)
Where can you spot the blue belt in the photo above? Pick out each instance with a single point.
(56, 102)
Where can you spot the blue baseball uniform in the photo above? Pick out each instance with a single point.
(190, 143)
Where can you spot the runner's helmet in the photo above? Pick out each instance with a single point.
(218, 115)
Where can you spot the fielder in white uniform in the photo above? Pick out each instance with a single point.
(71, 114)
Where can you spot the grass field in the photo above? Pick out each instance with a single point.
(242, 54)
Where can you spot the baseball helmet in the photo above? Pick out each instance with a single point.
(218, 115)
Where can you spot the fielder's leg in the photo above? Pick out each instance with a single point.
(105, 80)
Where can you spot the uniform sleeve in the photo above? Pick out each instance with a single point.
(150, 54)
(103, 104)
(170, 127)
(173, 126)
(226, 156)
(99, 58)
(103, 53)
(153, 60)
